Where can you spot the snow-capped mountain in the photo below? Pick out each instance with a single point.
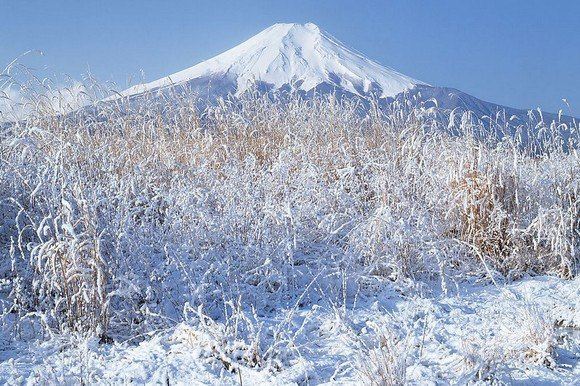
(301, 56)
(305, 58)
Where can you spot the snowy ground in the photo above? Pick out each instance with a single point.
(521, 333)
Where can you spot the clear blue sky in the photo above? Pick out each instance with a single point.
(518, 53)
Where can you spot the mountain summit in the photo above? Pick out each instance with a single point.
(305, 58)
(298, 55)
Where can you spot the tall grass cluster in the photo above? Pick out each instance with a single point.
(116, 217)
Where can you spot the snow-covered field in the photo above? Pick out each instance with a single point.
(296, 243)
(521, 333)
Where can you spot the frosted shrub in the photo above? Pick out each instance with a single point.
(117, 215)
(383, 362)
(521, 333)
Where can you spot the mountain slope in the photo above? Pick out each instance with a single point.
(307, 59)
(289, 54)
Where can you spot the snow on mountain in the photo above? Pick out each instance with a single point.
(292, 54)
(306, 58)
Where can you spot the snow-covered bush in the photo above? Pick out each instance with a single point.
(521, 333)
(117, 215)
(384, 361)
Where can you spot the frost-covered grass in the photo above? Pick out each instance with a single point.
(224, 225)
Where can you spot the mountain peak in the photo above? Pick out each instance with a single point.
(283, 29)
(308, 26)
(302, 55)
